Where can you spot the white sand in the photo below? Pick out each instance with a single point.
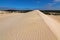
(25, 26)
(56, 17)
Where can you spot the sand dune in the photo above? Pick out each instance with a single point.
(25, 26)
(56, 17)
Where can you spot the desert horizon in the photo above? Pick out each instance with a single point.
(29, 25)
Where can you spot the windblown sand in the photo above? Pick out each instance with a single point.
(24, 26)
(56, 17)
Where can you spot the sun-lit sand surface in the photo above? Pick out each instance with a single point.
(24, 26)
(56, 17)
(53, 24)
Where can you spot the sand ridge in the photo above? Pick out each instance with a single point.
(25, 26)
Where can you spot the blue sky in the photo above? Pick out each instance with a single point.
(31, 4)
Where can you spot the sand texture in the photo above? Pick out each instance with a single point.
(24, 26)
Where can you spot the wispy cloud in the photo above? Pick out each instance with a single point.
(56, 0)
(50, 6)
(53, 5)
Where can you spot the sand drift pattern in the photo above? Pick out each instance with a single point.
(25, 26)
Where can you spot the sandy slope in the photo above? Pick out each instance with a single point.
(56, 17)
(25, 26)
